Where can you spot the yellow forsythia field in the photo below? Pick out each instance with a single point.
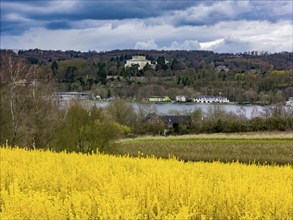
(46, 185)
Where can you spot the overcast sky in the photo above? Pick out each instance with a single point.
(221, 26)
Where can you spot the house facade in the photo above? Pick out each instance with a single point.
(141, 61)
(222, 68)
(159, 99)
(180, 98)
(290, 101)
(207, 99)
(67, 96)
(171, 123)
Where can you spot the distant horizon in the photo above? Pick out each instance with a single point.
(158, 50)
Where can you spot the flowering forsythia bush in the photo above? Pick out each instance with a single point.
(46, 185)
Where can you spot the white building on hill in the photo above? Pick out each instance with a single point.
(138, 60)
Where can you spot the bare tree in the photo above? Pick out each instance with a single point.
(15, 80)
(26, 94)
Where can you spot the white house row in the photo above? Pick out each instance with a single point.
(211, 100)
(203, 99)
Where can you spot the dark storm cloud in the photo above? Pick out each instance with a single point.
(12, 28)
(101, 10)
(55, 13)
(58, 25)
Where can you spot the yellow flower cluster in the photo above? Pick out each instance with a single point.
(46, 185)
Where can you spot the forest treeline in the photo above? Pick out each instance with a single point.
(253, 77)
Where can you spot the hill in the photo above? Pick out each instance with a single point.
(252, 77)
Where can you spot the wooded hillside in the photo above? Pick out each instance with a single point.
(252, 77)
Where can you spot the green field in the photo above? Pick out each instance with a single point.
(271, 148)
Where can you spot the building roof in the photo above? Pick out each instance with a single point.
(168, 119)
(150, 116)
(222, 68)
(139, 58)
(171, 119)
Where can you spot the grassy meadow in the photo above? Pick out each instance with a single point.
(271, 148)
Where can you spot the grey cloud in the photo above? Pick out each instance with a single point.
(177, 13)
(236, 36)
(213, 25)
